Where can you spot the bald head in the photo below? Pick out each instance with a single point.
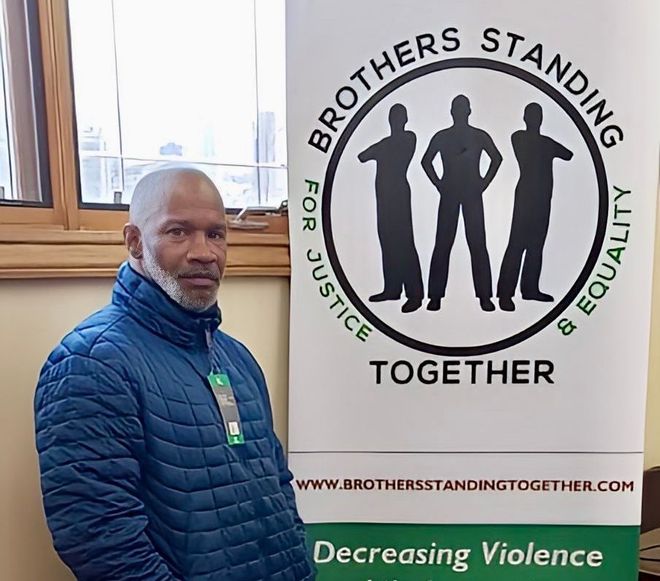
(153, 191)
(177, 235)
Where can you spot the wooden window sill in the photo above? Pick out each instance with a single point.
(53, 253)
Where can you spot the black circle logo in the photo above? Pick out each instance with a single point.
(600, 225)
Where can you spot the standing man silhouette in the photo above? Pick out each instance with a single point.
(401, 269)
(461, 187)
(531, 210)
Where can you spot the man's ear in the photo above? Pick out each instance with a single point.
(133, 241)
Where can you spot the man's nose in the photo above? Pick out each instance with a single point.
(200, 250)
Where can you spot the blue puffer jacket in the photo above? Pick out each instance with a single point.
(137, 477)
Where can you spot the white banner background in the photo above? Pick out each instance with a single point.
(596, 403)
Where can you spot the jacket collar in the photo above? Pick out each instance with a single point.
(148, 304)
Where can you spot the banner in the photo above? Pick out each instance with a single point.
(472, 206)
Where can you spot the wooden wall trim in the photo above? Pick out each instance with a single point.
(53, 254)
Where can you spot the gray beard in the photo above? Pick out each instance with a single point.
(172, 286)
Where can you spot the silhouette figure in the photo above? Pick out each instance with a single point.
(531, 210)
(461, 188)
(401, 269)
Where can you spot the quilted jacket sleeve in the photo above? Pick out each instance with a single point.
(89, 439)
(285, 474)
(285, 482)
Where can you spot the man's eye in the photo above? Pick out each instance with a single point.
(176, 232)
(216, 235)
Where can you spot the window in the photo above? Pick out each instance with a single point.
(94, 93)
(24, 174)
(179, 82)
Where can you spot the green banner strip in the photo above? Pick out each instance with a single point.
(395, 552)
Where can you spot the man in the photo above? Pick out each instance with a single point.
(401, 269)
(461, 188)
(531, 210)
(154, 430)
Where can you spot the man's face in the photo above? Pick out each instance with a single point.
(184, 243)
